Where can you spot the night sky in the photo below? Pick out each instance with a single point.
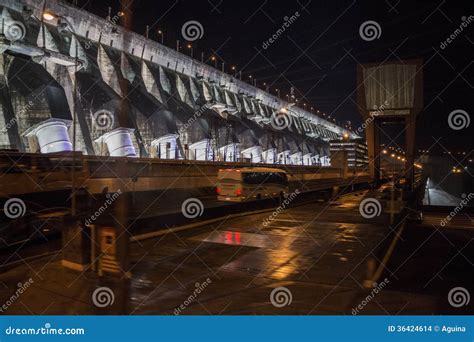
(318, 53)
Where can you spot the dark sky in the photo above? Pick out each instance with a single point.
(318, 53)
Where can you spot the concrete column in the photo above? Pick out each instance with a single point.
(9, 137)
(108, 72)
(339, 160)
(150, 83)
(76, 244)
(373, 146)
(410, 129)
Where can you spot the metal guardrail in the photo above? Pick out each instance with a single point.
(31, 172)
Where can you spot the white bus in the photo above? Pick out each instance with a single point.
(251, 183)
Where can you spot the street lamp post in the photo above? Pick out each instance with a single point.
(190, 46)
(160, 32)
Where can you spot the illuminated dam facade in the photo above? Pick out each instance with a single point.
(134, 97)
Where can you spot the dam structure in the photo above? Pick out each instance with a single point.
(80, 82)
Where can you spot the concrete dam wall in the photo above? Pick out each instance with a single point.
(81, 81)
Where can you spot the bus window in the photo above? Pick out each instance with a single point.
(250, 184)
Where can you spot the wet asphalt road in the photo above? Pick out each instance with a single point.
(307, 259)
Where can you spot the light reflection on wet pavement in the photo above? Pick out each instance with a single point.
(320, 252)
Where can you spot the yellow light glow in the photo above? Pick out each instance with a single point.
(48, 16)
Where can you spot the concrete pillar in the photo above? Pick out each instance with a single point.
(196, 95)
(150, 83)
(108, 72)
(339, 160)
(183, 92)
(410, 129)
(76, 236)
(76, 244)
(206, 90)
(372, 135)
(9, 137)
(127, 71)
(165, 81)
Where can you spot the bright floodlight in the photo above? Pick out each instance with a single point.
(49, 16)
